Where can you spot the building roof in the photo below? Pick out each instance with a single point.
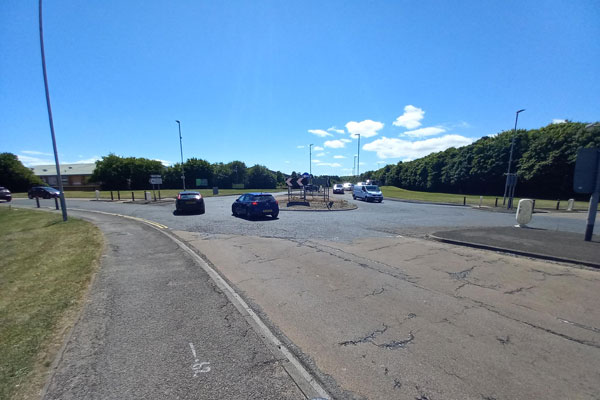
(65, 169)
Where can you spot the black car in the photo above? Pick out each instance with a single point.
(45, 192)
(255, 204)
(5, 194)
(190, 202)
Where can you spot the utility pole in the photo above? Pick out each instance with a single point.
(63, 204)
(181, 149)
(354, 166)
(512, 145)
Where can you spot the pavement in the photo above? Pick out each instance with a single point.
(158, 325)
(531, 242)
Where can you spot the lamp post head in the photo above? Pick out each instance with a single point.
(177, 121)
(520, 111)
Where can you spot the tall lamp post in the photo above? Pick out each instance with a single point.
(591, 218)
(512, 146)
(354, 166)
(63, 205)
(358, 162)
(181, 149)
(310, 159)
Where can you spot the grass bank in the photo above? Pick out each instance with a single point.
(473, 200)
(45, 268)
(139, 194)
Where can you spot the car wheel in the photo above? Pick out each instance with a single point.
(274, 215)
(202, 210)
(46, 196)
(30, 196)
(353, 197)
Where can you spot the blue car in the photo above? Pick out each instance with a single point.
(255, 204)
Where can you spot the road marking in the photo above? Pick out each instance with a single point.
(199, 367)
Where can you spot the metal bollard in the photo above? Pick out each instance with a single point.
(132, 197)
(118, 195)
(37, 200)
(111, 196)
(533, 207)
(56, 202)
(557, 204)
(159, 194)
(464, 201)
(496, 204)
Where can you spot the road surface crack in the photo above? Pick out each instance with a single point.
(375, 292)
(367, 339)
(518, 290)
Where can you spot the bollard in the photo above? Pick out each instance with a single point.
(570, 204)
(464, 201)
(132, 197)
(111, 196)
(159, 194)
(557, 204)
(496, 204)
(56, 202)
(533, 207)
(480, 201)
(97, 195)
(118, 195)
(154, 193)
(37, 200)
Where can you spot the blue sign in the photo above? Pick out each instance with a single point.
(306, 175)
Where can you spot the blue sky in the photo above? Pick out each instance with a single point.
(260, 81)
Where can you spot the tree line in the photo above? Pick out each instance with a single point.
(544, 160)
(118, 173)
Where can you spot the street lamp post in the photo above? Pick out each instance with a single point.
(512, 145)
(591, 218)
(358, 162)
(63, 204)
(181, 149)
(310, 159)
(354, 166)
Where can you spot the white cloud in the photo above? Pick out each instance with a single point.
(163, 162)
(346, 140)
(316, 161)
(287, 162)
(31, 161)
(334, 129)
(334, 165)
(558, 121)
(339, 157)
(300, 147)
(320, 132)
(429, 131)
(407, 150)
(36, 153)
(335, 144)
(320, 155)
(366, 128)
(411, 117)
(318, 148)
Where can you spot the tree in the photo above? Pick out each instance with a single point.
(15, 176)
(259, 177)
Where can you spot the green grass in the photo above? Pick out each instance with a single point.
(488, 201)
(45, 267)
(139, 194)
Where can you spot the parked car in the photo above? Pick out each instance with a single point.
(367, 193)
(348, 187)
(45, 192)
(255, 204)
(190, 202)
(5, 194)
(338, 188)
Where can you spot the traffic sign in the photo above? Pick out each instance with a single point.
(156, 181)
(584, 179)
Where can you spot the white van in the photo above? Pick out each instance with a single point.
(367, 193)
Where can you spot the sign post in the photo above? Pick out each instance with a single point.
(587, 180)
(155, 180)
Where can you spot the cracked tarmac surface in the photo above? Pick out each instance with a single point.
(408, 318)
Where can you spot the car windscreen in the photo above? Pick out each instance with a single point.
(51, 189)
(372, 188)
(263, 198)
(189, 195)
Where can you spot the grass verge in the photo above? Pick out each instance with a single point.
(488, 201)
(45, 268)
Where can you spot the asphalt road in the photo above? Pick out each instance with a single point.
(375, 314)
(155, 326)
(369, 220)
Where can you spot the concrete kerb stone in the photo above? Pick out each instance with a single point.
(516, 252)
